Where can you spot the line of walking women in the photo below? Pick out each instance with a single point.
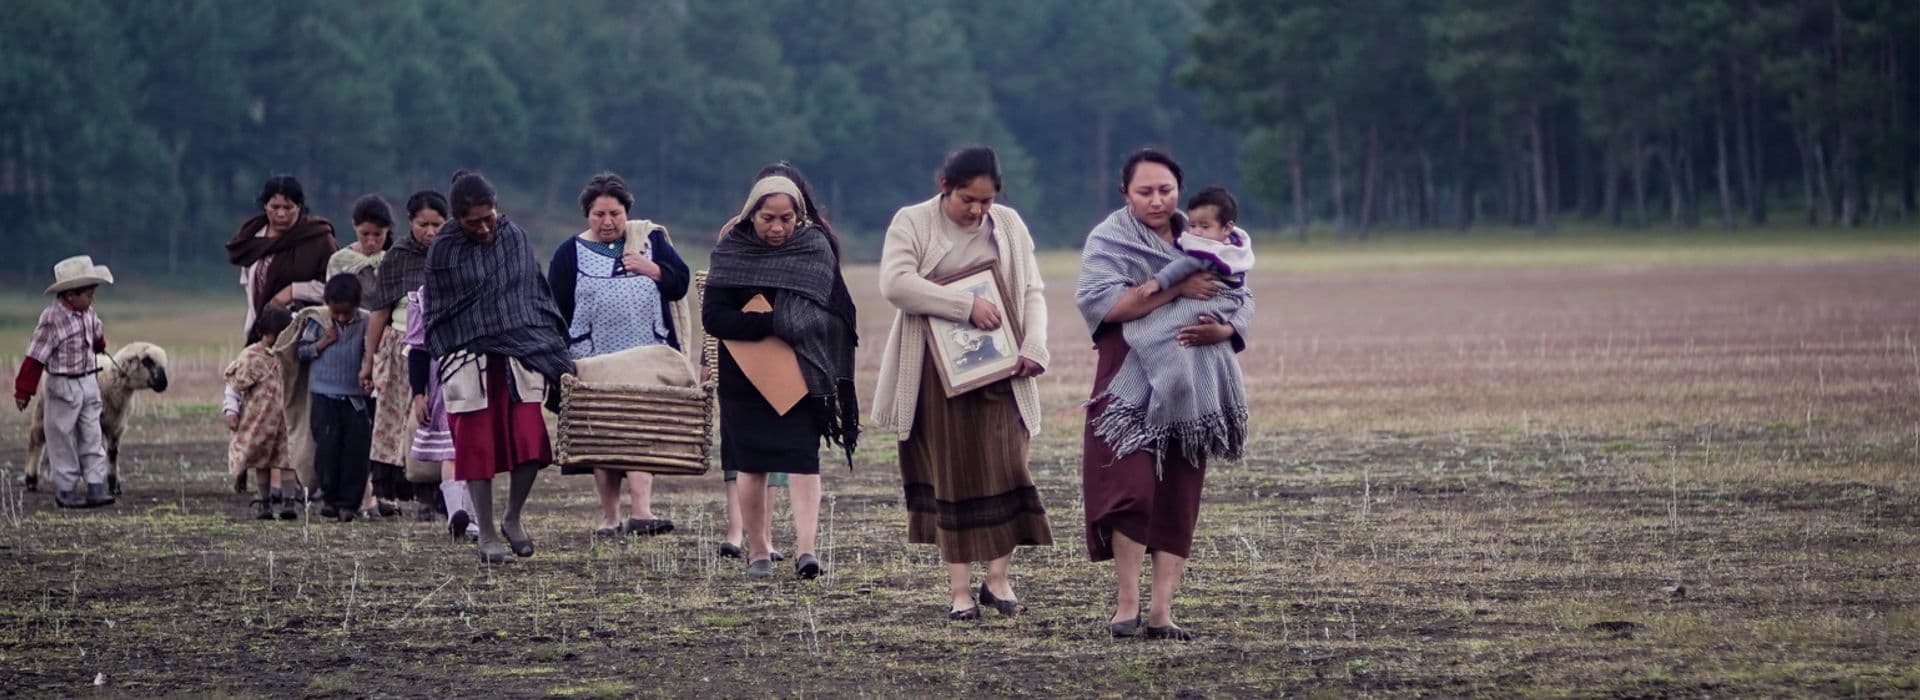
(482, 337)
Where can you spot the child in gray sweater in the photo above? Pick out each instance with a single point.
(341, 414)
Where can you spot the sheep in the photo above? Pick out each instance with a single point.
(136, 366)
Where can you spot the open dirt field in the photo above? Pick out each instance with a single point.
(1594, 478)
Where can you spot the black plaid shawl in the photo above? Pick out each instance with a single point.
(816, 316)
(490, 298)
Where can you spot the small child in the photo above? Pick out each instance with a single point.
(65, 343)
(1211, 242)
(259, 427)
(433, 442)
(341, 413)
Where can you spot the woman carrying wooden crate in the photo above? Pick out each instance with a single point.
(613, 283)
(773, 255)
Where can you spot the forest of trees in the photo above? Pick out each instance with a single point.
(1430, 113)
(139, 131)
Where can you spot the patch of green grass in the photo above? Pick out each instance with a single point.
(724, 621)
(331, 684)
(595, 689)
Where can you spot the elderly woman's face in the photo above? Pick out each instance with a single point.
(479, 222)
(371, 237)
(425, 224)
(775, 219)
(607, 219)
(1152, 195)
(281, 213)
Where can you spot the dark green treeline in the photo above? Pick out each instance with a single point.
(138, 131)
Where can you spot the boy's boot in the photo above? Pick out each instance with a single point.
(70, 498)
(98, 495)
(286, 504)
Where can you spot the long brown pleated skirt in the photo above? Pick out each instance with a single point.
(964, 466)
(1123, 494)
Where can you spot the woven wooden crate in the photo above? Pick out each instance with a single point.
(654, 429)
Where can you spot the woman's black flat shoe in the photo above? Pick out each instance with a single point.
(457, 525)
(732, 551)
(607, 533)
(521, 548)
(807, 567)
(1006, 607)
(1169, 632)
(492, 553)
(1124, 628)
(972, 613)
(645, 528)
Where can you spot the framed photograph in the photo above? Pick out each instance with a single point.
(970, 358)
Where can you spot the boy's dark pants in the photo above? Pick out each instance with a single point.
(342, 442)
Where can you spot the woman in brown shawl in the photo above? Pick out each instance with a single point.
(963, 460)
(282, 254)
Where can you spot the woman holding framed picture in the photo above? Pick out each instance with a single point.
(957, 377)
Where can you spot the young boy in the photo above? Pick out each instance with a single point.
(64, 344)
(1211, 242)
(341, 413)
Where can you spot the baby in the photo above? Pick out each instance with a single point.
(1211, 242)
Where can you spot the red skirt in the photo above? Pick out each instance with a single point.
(506, 434)
(1122, 493)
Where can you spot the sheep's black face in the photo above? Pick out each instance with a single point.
(157, 376)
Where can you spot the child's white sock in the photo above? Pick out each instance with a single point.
(456, 496)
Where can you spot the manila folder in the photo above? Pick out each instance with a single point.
(770, 364)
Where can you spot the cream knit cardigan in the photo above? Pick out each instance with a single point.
(914, 246)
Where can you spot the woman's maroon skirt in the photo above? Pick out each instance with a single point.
(504, 435)
(1122, 493)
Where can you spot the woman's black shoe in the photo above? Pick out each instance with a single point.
(645, 528)
(1006, 607)
(262, 510)
(807, 566)
(1124, 628)
(972, 613)
(732, 551)
(521, 548)
(1169, 632)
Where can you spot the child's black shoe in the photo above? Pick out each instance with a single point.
(98, 495)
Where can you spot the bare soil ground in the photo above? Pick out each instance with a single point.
(1593, 479)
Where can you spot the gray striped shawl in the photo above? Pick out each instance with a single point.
(1195, 397)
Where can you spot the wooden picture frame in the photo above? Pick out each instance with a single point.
(969, 358)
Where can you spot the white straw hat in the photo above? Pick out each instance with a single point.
(76, 272)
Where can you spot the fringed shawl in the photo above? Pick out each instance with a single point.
(1162, 391)
(815, 316)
